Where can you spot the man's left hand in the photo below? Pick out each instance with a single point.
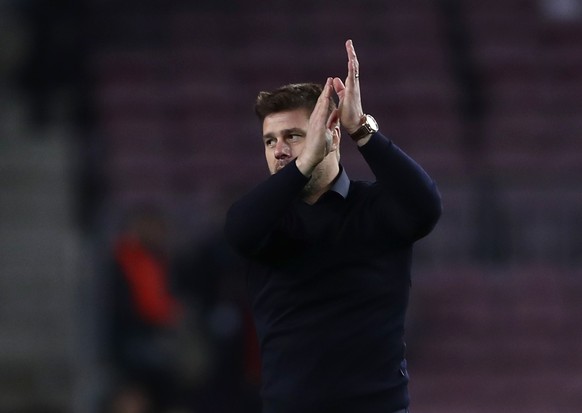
(350, 101)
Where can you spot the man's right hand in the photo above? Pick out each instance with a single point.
(319, 137)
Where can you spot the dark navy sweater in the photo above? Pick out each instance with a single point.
(329, 282)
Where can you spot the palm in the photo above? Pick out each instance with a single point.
(350, 103)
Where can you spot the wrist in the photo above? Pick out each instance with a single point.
(364, 140)
(368, 126)
(306, 168)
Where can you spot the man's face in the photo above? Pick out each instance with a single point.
(284, 137)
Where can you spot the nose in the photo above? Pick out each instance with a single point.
(282, 149)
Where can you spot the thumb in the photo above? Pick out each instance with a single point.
(333, 120)
(339, 87)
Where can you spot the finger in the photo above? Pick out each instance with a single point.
(325, 96)
(353, 64)
(319, 114)
(325, 92)
(328, 88)
(339, 87)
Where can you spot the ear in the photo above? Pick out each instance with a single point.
(333, 124)
(336, 137)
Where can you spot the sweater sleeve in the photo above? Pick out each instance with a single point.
(411, 200)
(251, 219)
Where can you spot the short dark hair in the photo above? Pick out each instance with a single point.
(289, 97)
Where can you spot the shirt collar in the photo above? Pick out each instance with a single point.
(341, 185)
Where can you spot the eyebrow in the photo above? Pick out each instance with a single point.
(286, 132)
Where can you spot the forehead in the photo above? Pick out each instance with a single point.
(278, 121)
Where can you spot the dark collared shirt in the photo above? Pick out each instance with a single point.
(329, 282)
(341, 185)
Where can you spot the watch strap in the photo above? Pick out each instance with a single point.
(364, 130)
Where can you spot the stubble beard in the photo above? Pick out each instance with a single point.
(312, 186)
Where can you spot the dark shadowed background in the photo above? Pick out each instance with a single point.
(121, 119)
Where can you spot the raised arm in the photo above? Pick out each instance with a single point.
(350, 101)
(412, 200)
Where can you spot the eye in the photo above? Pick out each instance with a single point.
(270, 142)
(294, 137)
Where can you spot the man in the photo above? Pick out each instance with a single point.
(144, 316)
(329, 258)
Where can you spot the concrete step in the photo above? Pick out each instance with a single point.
(42, 149)
(21, 344)
(34, 387)
(19, 173)
(34, 182)
(37, 250)
(37, 208)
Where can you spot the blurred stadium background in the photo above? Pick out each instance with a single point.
(108, 105)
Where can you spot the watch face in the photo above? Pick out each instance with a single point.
(369, 126)
(372, 122)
